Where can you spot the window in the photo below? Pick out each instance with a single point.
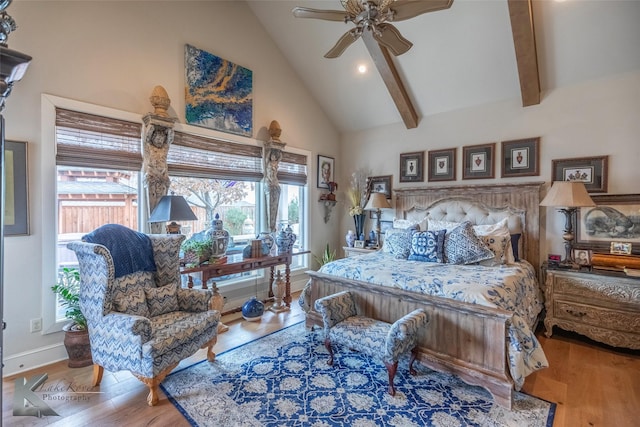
(98, 164)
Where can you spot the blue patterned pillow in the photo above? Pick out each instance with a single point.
(128, 293)
(427, 246)
(462, 246)
(398, 243)
(162, 300)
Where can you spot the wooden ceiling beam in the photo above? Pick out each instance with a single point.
(524, 40)
(384, 63)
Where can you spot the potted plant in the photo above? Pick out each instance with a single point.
(196, 251)
(76, 338)
(327, 256)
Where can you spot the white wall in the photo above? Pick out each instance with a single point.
(112, 54)
(601, 117)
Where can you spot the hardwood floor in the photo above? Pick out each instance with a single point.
(592, 384)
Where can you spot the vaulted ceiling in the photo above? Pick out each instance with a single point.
(464, 56)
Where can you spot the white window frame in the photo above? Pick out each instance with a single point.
(48, 183)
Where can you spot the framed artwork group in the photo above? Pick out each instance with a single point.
(519, 158)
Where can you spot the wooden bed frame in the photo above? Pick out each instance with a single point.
(465, 339)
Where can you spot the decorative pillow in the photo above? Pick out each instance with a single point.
(462, 246)
(515, 239)
(427, 246)
(128, 293)
(162, 300)
(435, 225)
(498, 227)
(499, 244)
(398, 243)
(406, 224)
(495, 236)
(390, 232)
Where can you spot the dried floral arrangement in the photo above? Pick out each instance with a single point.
(358, 191)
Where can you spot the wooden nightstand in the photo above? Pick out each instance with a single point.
(351, 252)
(604, 306)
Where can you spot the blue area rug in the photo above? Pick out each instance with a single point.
(283, 380)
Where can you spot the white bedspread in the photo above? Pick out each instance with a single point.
(510, 287)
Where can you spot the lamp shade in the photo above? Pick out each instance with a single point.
(567, 194)
(377, 201)
(172, 208)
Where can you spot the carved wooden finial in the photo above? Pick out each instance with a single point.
(160, 100)
(275, 130)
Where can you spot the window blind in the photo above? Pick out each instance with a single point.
(202, 157)
(293, 168)
(88, 140)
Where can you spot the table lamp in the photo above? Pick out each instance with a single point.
(172, 208)
(377, 201)
(567, 196)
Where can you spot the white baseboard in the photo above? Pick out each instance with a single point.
(32, 359)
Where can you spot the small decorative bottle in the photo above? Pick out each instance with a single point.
(350, 238)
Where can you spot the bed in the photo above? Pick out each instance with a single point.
(482, 318)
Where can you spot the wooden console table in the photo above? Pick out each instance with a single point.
(236, 264)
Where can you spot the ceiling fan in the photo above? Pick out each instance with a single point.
(374, 16)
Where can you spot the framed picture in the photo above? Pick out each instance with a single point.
(16, 197)
(442, 165)
(478, 161)
(582, 257)
(229, 110)
(616, 218)
(358, 244)
(590, 170)
(411, 169)
(521, 157)
(381, 184)
(325, 171)
(620, 248)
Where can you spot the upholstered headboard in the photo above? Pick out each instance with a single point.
(481, 205)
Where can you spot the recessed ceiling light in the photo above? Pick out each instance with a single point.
(362, 68)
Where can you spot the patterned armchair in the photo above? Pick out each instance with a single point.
(139, 318)
(343, 325)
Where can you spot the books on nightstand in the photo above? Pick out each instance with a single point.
(628, 264)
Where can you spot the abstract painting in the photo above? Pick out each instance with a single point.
(218, 93)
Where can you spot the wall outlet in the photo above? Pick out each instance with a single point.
(36, 325)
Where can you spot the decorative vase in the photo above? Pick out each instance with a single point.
(76, 342)
(285, 240)
(278, 290)
(358, 219)
(219, 239)
(253, 310)
(350, 238)
(267, 239)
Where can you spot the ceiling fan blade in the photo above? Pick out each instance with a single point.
(327, 15)
(345, 41)
(390, 37)
(405, 9)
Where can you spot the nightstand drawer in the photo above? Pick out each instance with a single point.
(618, 320)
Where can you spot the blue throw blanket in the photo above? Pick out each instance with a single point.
(131, 251)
